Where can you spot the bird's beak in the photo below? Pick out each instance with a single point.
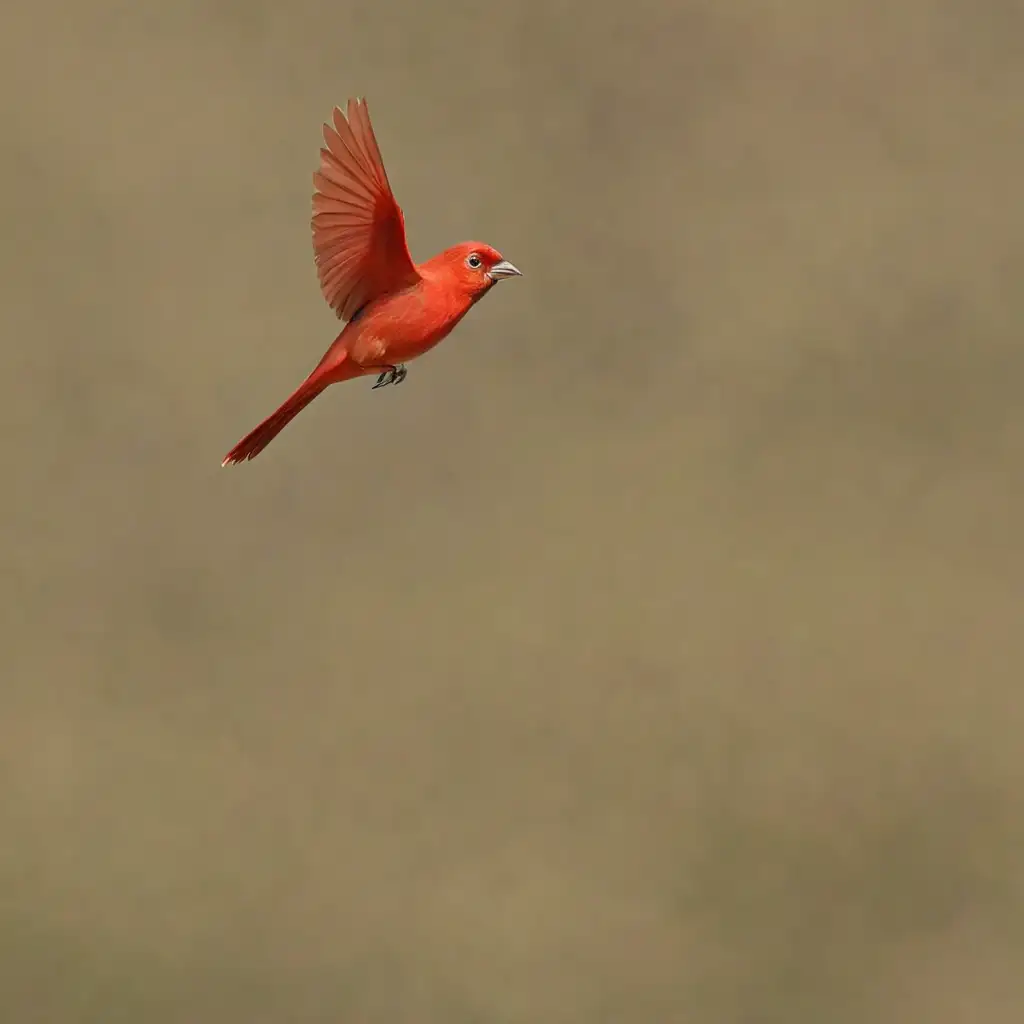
(503, 269)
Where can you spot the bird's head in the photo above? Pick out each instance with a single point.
(474, 267)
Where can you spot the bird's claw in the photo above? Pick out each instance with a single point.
(392, 375)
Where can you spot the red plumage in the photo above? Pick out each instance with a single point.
(395, 309)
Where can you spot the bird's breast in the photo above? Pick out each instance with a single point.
(405, 325)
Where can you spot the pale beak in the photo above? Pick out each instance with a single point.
(503, 269)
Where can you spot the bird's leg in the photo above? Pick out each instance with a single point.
(391, 375)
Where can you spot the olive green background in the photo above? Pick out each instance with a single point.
(655, 653)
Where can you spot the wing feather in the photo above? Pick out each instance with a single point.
(359, 242)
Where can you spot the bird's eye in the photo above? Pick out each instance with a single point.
(473, 261)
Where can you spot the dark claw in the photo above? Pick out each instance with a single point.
(392, 375)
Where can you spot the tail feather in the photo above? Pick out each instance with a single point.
(259, 437)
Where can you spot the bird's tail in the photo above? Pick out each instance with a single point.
(259, 437)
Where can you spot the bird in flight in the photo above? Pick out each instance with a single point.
(396, 309)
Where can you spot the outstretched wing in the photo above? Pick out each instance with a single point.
(358, 229)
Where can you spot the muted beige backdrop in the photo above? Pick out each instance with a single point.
(654, 654)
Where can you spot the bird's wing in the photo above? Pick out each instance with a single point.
(358, 229)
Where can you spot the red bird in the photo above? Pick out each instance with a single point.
(396, 310)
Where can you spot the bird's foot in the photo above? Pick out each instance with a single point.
(392, 375)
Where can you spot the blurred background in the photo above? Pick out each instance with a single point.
(653, 654)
